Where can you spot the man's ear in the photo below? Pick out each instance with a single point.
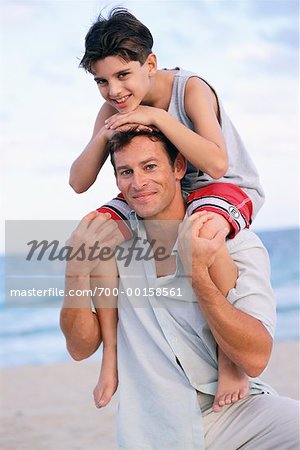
(180, 166)
(151, 62)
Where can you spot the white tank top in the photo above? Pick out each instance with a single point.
(241, 170)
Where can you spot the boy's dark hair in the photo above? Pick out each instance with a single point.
(122, 138)
(121, 34)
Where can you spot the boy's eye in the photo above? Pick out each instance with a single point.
(123, 75)
(100, 82)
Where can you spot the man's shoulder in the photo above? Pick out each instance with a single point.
(245, 240)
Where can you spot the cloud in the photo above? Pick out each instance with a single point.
(273, 9)
(49, 105)
(15, 13)
(265, 56)
(250, 52)
(288, 36)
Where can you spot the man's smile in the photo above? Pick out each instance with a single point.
(143, 197)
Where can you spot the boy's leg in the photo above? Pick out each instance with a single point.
(232, 382)
(226, 200)
(120, 212)
(104, 283)
(108, 378)
(223, 271)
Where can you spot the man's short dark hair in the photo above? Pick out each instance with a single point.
(123, 138)
(121, 34)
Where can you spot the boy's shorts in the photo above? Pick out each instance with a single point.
(221, 198)
(226, 199)
(120, 211)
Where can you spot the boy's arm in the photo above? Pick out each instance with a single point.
(105, 287)
(205, 147)
(86, 167)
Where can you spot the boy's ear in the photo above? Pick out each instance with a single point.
(180, 166)
(151, 62)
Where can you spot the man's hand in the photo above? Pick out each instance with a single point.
(79, 324)
(143, 115)
(242, 337)
(94, 232)
(196, 252)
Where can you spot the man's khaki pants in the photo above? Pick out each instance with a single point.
(258, 422)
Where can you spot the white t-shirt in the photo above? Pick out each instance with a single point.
(166, 351)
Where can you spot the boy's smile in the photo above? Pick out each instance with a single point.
(123, 84)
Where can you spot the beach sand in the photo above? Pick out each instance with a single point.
(51, 406)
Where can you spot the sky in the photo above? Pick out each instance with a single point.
(246, 49)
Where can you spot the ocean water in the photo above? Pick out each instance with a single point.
(32, 335)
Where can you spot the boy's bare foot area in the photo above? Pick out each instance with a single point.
(232, 386)
(108, 379)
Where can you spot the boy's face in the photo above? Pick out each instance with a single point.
(124, 85)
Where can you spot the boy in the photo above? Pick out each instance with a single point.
(188, 112)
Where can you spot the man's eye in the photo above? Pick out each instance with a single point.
(150, 166)
(126, 172)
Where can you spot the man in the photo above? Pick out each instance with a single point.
(168, 329)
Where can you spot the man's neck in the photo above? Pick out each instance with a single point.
(163, 229)
(163, 233)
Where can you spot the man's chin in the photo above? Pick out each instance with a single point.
(145, 210)
(145, 213)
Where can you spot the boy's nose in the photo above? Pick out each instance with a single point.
(114, 89)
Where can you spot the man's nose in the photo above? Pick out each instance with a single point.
(139, 181)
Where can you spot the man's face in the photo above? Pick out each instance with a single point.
(123, 84)
(150, 185)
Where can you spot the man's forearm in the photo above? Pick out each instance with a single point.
(243, 338)
(78, 323)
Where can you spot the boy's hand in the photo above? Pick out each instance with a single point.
(110, 132)
(142, 115)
